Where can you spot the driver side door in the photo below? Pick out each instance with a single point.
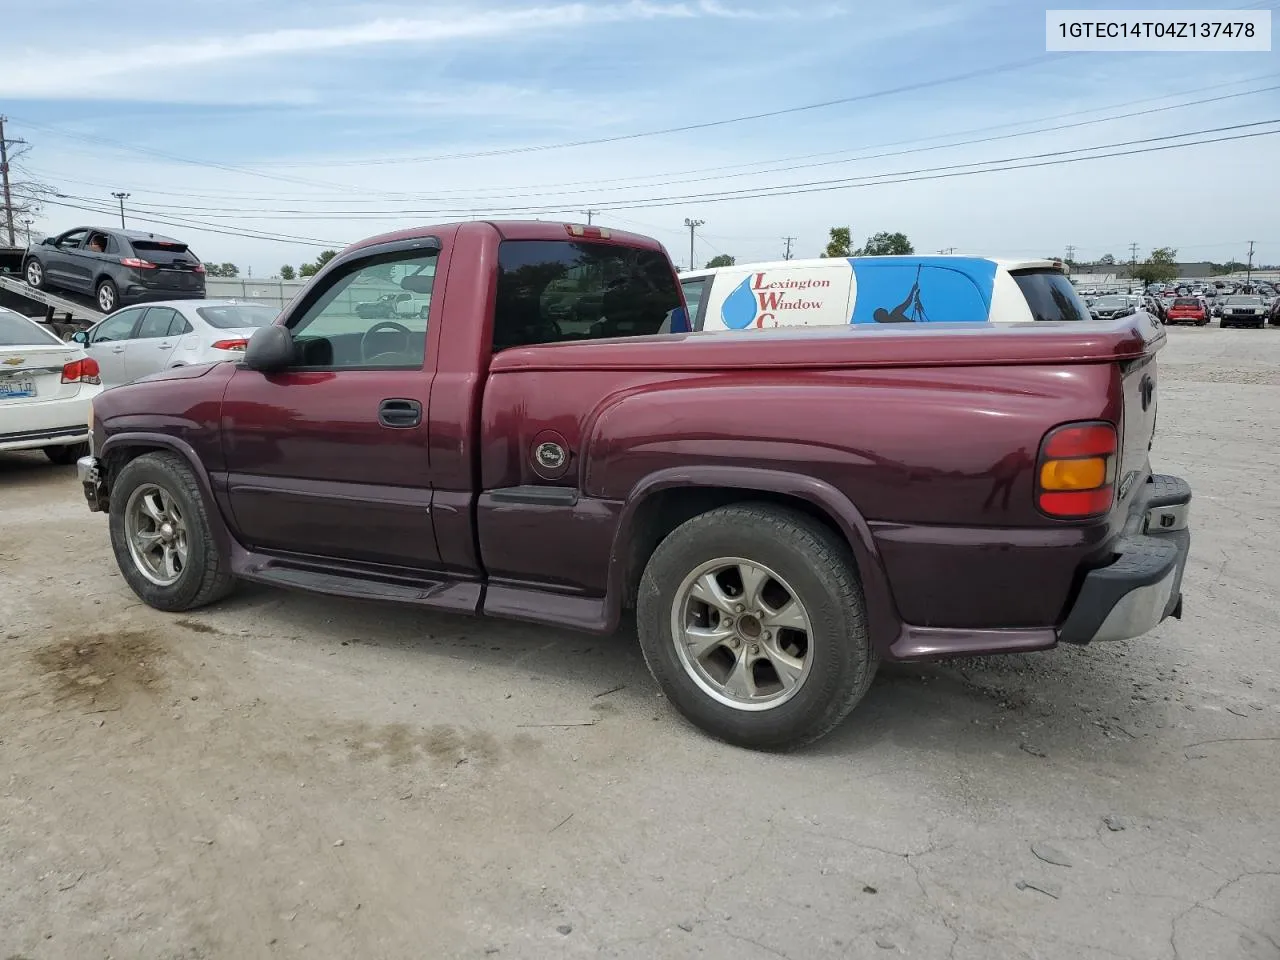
(328, 458)
(58, 259)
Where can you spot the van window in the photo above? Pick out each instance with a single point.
(693, 290)
(1051, 296)
(550, 291)
(921, 293)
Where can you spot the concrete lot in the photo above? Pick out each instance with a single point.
(291, 776)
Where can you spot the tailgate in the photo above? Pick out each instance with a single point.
(1139, 383)
(32, 373)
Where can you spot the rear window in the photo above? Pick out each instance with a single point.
(230, 316)
(17, 331)
(1050, 295)
(1186, 302)
(551, 291)
(162, 251)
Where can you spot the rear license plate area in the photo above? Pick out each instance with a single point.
(17, 389)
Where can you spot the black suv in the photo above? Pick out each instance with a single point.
(115, 267)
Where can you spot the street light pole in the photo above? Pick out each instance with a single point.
(26, 222)
(122, 197)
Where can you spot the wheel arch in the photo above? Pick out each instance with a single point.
(667, 498)
(120, 449)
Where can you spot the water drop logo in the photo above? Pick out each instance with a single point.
(739, 310)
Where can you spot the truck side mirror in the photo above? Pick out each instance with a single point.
(270, 349)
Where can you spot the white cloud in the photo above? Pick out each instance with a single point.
(27, 74)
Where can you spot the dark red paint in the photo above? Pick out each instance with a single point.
(917, 443)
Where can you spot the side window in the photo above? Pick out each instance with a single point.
(179, 326)
(550, 291)
(693, 290)
(71, 240)
(98, 243)
(332, 333)
(113, 246)
(920, 293)
(155, 323)
(118, 327)
(1050, 295)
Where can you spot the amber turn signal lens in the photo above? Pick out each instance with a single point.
(1086, 473)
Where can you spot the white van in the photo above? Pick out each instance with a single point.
(838, 290)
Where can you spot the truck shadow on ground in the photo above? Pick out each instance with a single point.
(1060, 703)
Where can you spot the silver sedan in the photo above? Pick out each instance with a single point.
(151, 337)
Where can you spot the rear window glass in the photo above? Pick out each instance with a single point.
(551, 291)
(17, 331)
(1050, 295)
(158, 246)
(1186, 302)
(230, 316)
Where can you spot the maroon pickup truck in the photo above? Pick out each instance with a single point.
(783, 509)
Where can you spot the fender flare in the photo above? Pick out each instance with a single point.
(117, 441)
(883, 620)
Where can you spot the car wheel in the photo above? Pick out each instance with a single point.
(66, 453)
(1202, 323)
(35, 274)
(108, 297)
(161, 536)
(751, 620)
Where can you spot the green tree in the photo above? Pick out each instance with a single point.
(308, 270)
(885, 244)
(325, 257)
(288, 273)
(1160, 267)
(723, 260)
(840, 243)
(229, 270)
(311, 269)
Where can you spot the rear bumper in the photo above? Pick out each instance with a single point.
(47, 437)
(1143, 584)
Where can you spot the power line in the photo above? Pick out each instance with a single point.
(614, 184)
(901, 176)
(703, 125)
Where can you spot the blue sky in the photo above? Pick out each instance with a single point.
(333, 120)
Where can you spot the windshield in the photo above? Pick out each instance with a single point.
(17, 331)
(1108, 303)
(233, 315)
(1244, 301)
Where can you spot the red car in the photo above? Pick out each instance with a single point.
(1187, 310)
(783, 509)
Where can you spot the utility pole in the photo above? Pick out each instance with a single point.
(26, 222)
(122, 197)
(588, 214)
(947, 250)
(4, 178)
(788, 241)
(1071, 253)
(692, 225)
(1248, 275)
(1133, 259)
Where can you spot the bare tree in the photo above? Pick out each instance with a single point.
(27, 194)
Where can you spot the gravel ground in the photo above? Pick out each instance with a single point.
(293, 776)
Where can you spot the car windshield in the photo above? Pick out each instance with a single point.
(1244, 301)
(232, 315)
(17, 331)
(1108, 302)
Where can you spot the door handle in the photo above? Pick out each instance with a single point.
(117, 349)
(396, 412)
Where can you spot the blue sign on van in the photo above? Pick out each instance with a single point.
(922, 289)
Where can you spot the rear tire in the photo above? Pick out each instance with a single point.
(176, 524)
(66, 453)
(734, 689)
(107, 296)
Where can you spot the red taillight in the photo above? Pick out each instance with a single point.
(198, 268)
(1076, 471)
(238, 344)
(137, 264)
(81, 371)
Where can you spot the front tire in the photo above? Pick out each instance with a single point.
(751, 619)
(35, 274)
(108, 296)
(66, 453)
(161, 536)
